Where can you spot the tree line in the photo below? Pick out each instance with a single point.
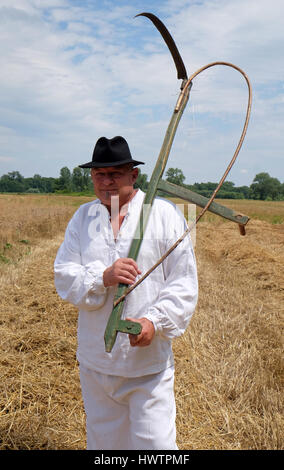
(77, 181)
(263, 187)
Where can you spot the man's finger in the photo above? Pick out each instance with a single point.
(131, 263)
(128, 269)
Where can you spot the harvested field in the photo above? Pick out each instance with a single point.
(229, 369)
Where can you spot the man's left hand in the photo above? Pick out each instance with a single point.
(146, 335)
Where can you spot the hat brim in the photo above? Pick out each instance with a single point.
(107, 164)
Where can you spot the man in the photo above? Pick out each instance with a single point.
(128, 393)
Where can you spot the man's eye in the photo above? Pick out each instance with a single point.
(115, 175)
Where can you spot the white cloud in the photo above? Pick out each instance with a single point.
(72, 71)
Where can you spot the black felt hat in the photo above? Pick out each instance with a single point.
(111, 152)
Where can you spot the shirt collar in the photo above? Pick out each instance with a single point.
(134, 202)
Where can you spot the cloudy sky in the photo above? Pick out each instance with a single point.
(74, 70)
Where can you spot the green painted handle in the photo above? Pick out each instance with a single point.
(187, 195)
(130, 327)
(114, 320)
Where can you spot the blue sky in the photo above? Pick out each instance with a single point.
(72, 71)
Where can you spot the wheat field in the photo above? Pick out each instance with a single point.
(229, 367)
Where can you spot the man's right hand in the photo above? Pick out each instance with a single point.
(123, 270)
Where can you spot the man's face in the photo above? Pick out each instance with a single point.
(114, 181)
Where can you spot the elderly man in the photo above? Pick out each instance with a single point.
(128, 393)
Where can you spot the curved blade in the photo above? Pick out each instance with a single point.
(181, 70)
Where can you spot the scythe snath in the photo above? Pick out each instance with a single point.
(115, 323)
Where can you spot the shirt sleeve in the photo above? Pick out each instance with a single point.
(177, 300)
(81, 285)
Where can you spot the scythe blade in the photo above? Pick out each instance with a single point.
(181, 70)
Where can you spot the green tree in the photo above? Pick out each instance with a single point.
(77, 180)
(245, 191)
(49, 184)
(13, 182)
(81, 180)
(63, 183)
(141, 181)
(38, 183)
(228, 186)
(264, 187)
(175, 176)
(87, 180)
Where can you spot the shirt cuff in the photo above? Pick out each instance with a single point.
(160, 321)
(97, 283)
(152, 318)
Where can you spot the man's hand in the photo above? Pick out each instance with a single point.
(123, 270)
(146, 335)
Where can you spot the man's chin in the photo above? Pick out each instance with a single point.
(106, 196)
(109, 192)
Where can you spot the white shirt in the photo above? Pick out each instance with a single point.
(167, 296)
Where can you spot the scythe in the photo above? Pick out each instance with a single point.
(115, 323)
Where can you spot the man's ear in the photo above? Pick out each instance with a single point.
(135, 174)
(92, 175)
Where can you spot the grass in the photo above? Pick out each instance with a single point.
(26, 220)
(229, 366)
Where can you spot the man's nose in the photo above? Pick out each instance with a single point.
(108, 179)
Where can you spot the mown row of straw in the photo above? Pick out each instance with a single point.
(230, 361)
(229, 369)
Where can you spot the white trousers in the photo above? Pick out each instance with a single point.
(129, 413)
